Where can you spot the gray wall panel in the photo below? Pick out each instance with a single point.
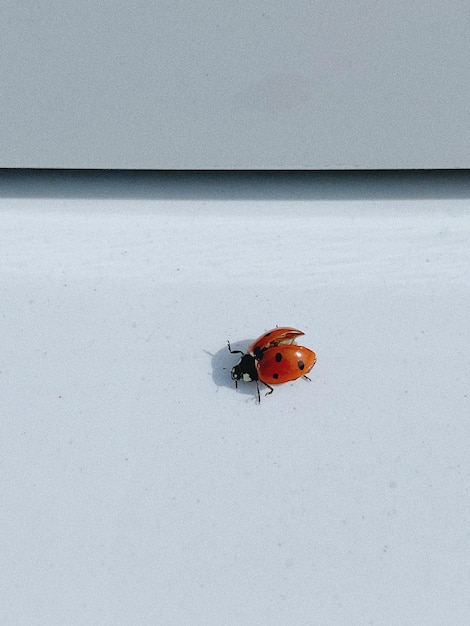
(371, 84)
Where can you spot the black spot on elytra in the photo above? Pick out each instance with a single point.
(301, 365)
(258, 354)
(275, 376)
(278, 357)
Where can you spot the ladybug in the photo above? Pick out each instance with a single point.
(273, 358)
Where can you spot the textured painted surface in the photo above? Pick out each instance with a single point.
(138, 486)
(254, 85)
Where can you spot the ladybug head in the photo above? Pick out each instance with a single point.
(245, 369)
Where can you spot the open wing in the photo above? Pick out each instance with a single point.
(276, 337)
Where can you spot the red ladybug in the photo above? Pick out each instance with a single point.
(274, 358)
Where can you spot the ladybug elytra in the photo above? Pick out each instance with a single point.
(274, 358)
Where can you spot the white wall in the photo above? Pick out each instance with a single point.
(139, 487)
(370, 84)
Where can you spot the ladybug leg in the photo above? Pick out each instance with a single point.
(307, 378)
(257, 389)
(233, 351)
(268, 393)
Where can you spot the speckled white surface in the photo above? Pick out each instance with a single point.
(139, 487)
